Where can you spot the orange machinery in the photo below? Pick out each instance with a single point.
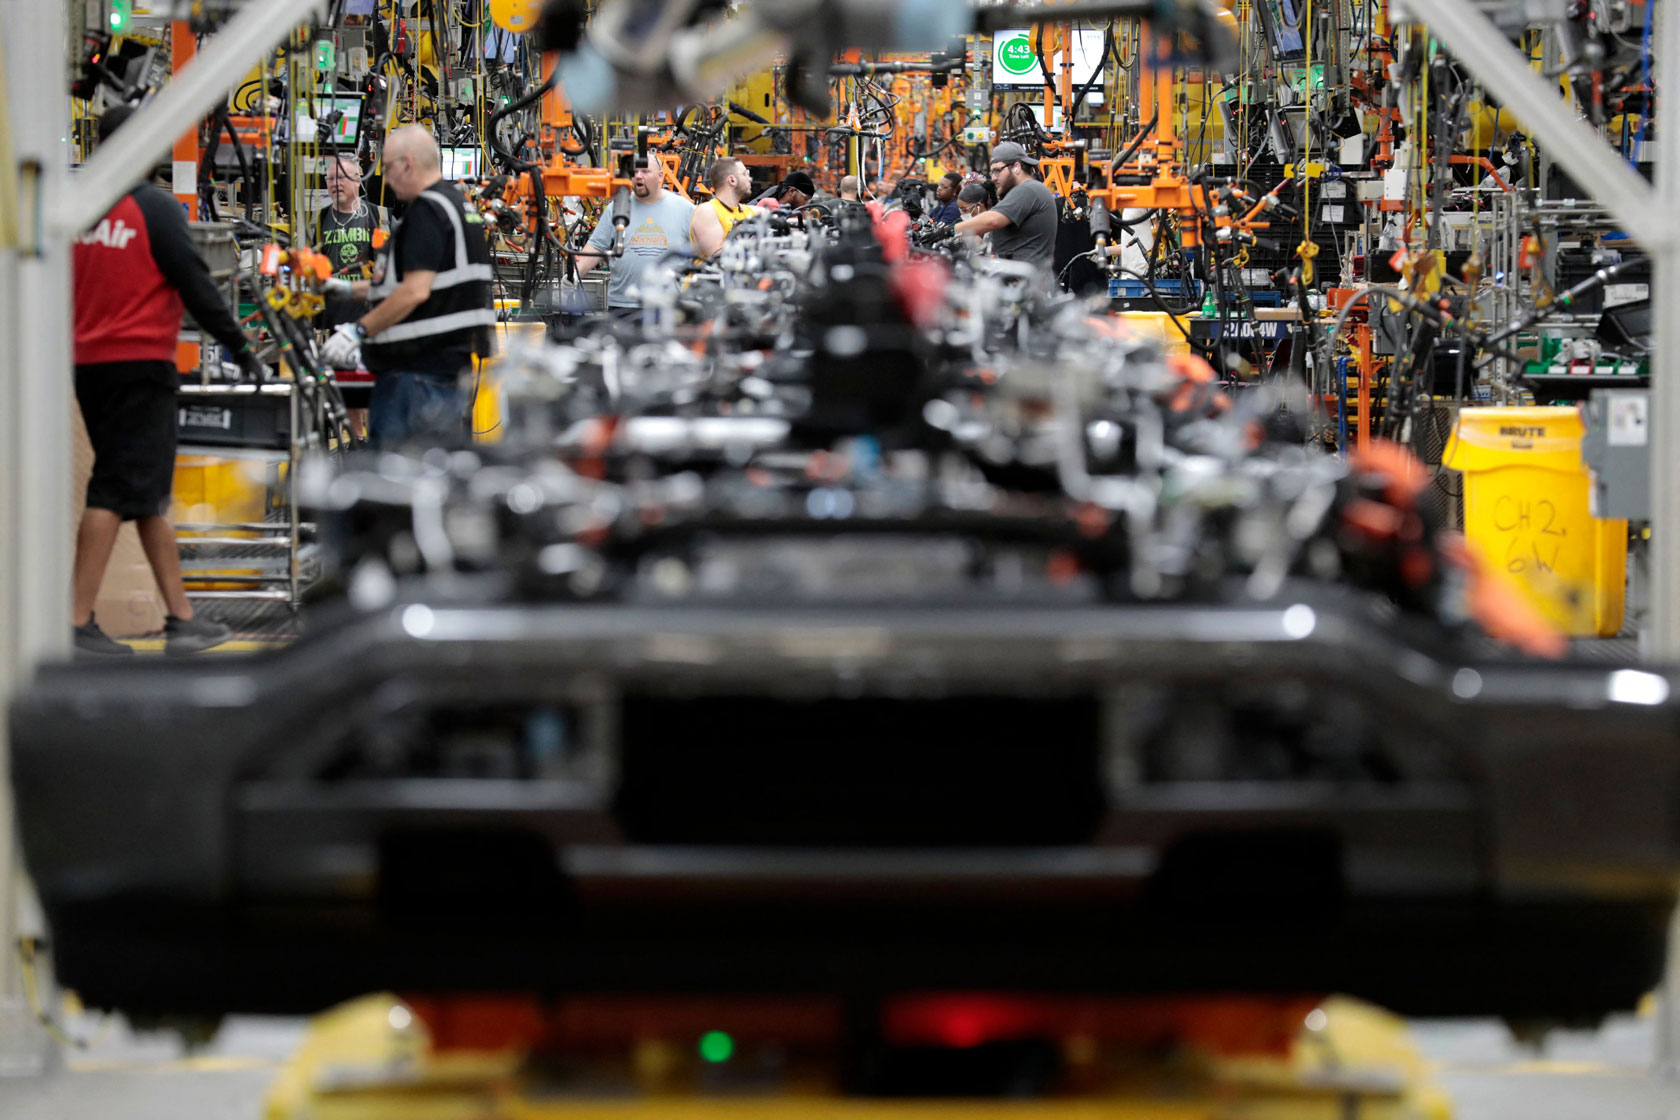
(1153, 168)
(559, 178)
(916, 96)
(563, 179)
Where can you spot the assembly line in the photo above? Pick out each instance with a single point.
(840, 556)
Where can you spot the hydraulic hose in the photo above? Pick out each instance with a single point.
(508, 159)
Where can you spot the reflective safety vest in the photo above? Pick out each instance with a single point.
(458, 314)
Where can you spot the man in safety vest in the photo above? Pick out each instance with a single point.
(433, 315)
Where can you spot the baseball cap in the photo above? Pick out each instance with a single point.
(800, 182)
(1011, 152)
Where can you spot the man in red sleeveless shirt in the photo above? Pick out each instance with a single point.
(134, 272)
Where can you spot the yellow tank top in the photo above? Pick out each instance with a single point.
(727, 217)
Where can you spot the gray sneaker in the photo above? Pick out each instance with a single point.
(91, 641)
(192, 635)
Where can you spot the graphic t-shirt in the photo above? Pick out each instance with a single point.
(346, 239)
(655, 230)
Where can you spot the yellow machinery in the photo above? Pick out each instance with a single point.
(380, 1058)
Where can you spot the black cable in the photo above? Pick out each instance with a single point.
(1154, 257)
(1038, 50)
(1070, 113)
(506, 158)
(1136, 143)
(1024, 123)
(441, 50)
(740, 111)
(1565, 299)
(244, 164)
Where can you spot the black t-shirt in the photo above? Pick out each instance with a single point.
(424, 241)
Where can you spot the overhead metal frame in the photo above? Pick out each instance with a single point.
(46, 206)
(150, 136)
(1650, 214)
(35, 444)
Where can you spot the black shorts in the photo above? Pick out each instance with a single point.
(129, 408)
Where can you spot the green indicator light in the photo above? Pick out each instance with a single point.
(120, 11)
(324, 54)
(716, 1046)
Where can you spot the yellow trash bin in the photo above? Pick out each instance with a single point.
(1525, 507)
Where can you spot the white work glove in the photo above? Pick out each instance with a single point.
(344, 348)
(336, 286)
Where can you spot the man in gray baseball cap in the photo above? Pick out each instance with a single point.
(1023, 223)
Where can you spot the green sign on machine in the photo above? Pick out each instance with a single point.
(325, 55)
(1016, 55)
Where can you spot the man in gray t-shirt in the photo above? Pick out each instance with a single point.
(1023, 223)
(658, 225)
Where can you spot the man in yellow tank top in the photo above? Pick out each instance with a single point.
(713, 220)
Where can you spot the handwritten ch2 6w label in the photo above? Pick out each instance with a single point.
(1534, 533)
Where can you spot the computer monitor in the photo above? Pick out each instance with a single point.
(1015, 62)
(462, 163)
(1285, 33)
(1055, 122)
(343, 109)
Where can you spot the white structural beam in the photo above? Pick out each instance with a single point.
(1650, 215)
(46, 206)
(1486, 52)
(1662, 631)
(146, 140)
(1662, 628)
(35, 457)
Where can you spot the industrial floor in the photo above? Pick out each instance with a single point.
(1603, 1074)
